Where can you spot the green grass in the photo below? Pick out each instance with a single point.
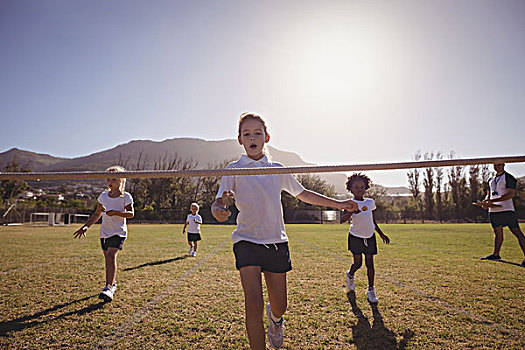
(434, 291)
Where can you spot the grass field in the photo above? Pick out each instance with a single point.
(434, 292)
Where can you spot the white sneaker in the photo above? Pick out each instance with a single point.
(193, 253)
(371, 294)
(107, 293)
(350, 281)
(275, 329)
(114, 287)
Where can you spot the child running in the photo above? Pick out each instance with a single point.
(361, 238)
(194, 221)
(260, 240)
(115, 206)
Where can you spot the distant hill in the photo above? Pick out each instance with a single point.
(398, 191)
(34, 161)
(203, 152)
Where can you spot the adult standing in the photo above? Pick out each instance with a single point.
(500, 205)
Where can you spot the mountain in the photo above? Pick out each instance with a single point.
(34, 161)
(203, 152)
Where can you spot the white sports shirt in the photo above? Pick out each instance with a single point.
(363, 222)
(498, 186)
(258, 198)
(114, 225)
(192, 226)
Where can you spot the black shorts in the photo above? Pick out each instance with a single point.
(358, 245)
(112, 242)
(270, 257)
(193, 237)
(504, 218)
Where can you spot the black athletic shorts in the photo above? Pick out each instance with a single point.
(504, 218)
(273, 257)
(193, 237)
(112, 242)
(358, 245)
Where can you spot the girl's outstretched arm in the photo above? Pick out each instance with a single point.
(315, 198)
(81, 232)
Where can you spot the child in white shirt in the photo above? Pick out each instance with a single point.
(115, 206)
(361, 238)
(260, 240)
(194, 221)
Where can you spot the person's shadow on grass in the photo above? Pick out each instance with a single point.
(160, 262)
(376, 336)
(29, 321)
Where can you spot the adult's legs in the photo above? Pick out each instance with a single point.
(498, 239)
(521, 238)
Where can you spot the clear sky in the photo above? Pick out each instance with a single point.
(339, 82)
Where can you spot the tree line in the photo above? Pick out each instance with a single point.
(437, 194)
(157, 200)
(447, 194)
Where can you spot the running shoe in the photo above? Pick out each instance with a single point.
(107, 293)
(350, 281)
(371, 294)
(275, 329)
(193, 253)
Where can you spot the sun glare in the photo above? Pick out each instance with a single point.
(339, 68)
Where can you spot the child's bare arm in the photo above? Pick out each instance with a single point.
(381, 234)
(128, 212)
(315, 198)
(81, 232)
(345, 216)
(219, 209)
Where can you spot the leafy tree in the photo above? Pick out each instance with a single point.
(439, 183)
(292, 205)
(413, 183)
(519, 199)
(455, 176)
(10, 189)
(475, 190)
(428, 184)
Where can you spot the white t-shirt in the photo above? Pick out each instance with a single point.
(258, 198)
(114, 225)
(192, 226)
(498, 186)
(363, 222)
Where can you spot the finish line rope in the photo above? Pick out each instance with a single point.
(148, 174)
